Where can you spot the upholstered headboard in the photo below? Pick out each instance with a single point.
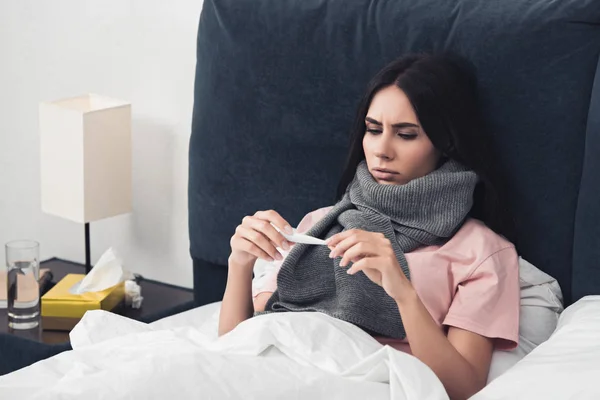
(278, 82)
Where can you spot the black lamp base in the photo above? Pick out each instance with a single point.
(88, 265)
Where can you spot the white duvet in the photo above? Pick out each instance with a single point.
(287, 355)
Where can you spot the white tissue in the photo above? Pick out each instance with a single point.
(107, 272)
(133, 294)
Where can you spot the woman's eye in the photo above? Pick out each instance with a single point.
(407, 136)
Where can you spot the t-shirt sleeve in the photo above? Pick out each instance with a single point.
(487, 302)
(266, 281)
(265, 273)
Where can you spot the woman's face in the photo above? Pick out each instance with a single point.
(395, 141)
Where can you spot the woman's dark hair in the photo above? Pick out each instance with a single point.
(443, 92)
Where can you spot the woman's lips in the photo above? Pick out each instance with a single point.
(384, 176)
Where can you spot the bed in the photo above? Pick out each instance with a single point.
(277, 84)
(298, 355)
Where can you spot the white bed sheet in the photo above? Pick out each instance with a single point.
(567, 366)
(287, 355)
(310, 355)
(205, 318)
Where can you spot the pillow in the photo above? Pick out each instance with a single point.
(541, 306)
(564, 367)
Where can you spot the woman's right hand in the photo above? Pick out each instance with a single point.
(256, 238)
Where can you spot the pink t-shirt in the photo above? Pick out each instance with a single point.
(471, 282)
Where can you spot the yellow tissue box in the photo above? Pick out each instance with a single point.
(62, 310)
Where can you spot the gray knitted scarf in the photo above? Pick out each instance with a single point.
(425, 211)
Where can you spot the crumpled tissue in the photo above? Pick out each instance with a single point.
(108, 272)
(133, 294)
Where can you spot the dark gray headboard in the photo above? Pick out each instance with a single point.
(278, 82)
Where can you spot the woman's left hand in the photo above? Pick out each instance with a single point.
(371, 253)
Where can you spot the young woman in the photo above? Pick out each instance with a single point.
(419, 252)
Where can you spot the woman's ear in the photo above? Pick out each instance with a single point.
(442, 158)
(445, 154)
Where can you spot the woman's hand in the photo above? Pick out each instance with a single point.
(256, 238)
(371, 253)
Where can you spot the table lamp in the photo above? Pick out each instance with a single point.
(85, 159)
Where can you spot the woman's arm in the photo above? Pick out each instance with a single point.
(261, 300)
(237, 300)
(461, 360)
(256, 237)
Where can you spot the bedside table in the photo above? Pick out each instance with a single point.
(158, 298)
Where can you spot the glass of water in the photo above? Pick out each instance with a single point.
(23, 291)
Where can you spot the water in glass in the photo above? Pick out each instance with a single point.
(22, 270)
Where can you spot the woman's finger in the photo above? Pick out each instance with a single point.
(338, 237)
(259, 240)
(263, 226)
(249, 247)
(364, 264)
(340, 248)
(358, 251)
(274, 217)
(369, 266)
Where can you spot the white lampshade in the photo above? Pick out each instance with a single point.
(85, 157)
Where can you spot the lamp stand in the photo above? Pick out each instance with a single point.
(88, 265)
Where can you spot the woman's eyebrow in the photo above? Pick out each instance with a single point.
(397, 125)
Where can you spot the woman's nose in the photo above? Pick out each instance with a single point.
(384, 149)
(383, 156)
